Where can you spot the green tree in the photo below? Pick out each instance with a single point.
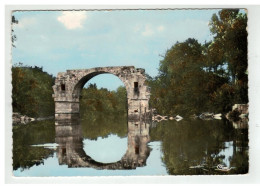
(32, 91)
(95, 102)
(230, 47)
(194, 78)
(180, 84)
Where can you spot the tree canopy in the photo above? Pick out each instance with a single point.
(32, 91)
(196, 77)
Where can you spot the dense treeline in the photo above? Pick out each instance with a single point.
(32, 95)
(196, 77)
(32, 91)
(96, 102)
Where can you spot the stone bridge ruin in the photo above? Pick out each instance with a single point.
(68, 86)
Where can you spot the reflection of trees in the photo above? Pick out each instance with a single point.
(41, 132)
(103, 126)
(70, 150)
(187, 144)
(240, 158)
(24, 155)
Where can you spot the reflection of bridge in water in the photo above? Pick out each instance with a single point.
(70, 150)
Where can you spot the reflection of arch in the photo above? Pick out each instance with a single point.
(70, 150)
(68, 86)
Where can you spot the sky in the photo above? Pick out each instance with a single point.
(62, 40)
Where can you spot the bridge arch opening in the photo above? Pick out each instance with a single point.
(68, 86)
(102, 109)
(103, 116)
(104, 91)
(67, 89)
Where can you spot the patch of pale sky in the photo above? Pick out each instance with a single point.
(106, 150)
(73, 19)
(148, 31)
(26, 21)
(108, 36)
(137, 28)
(161, 28)
(104, 39)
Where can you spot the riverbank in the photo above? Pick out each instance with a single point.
(19, 119)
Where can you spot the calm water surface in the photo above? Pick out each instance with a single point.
(112, 146)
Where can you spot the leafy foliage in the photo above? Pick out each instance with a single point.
(32, 91)
(102, 101)
(195, 77)
(230, 39)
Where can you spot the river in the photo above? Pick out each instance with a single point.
(113, 146)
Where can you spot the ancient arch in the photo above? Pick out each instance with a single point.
(69, 84)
